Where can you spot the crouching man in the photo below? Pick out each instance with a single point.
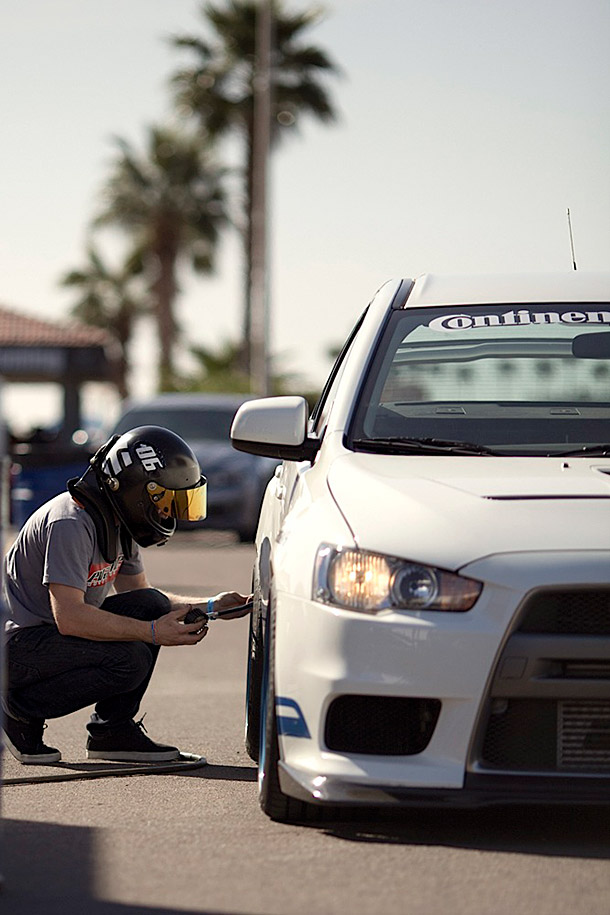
(71, 643)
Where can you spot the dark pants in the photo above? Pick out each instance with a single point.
(51, 675)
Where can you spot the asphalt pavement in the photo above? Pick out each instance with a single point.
(82, 837)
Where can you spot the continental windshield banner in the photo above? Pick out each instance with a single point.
(515, 318)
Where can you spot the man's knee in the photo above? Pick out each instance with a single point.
(130, 664)
(157, 601)
(142, 604)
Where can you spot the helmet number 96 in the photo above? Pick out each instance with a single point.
(149, 458)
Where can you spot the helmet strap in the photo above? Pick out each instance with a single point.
(100, 454)
(87, 493)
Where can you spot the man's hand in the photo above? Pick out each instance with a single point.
(227, 599)
(170, 630)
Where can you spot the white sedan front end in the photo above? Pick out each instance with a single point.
(434, 711)
(432, 581)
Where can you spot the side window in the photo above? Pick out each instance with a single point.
(321, 411)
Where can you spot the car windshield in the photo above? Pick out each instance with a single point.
(190, 423)
(497, 379)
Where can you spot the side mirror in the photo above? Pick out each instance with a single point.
(274, 427)
(592, 346)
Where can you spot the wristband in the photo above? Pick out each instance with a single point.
(212, 614)
(152, 629)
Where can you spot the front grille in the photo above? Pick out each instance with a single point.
(584, 736)
(574, 612)
(540, 735)
(380, 725)
(548, 708)
(585, 670)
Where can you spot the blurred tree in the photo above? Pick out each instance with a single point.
(111, 300)
(218, 89)
(171, 202)
(218, 370)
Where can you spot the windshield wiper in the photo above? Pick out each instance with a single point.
(595, 450)
(405, 445)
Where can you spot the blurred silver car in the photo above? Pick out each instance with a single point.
(236, 481)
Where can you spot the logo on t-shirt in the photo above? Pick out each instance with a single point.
(101, 574)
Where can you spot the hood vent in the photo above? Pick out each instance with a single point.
(553, 498)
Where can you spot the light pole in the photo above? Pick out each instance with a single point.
(259, 284)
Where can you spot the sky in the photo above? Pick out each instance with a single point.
(466, 130)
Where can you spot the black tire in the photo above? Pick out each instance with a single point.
(246, 535)
(273, 801)
(256, 663)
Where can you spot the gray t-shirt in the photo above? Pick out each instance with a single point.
(58, 544)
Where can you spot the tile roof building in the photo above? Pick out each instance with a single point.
(69, 354)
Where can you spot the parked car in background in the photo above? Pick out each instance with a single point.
(41, 463)
(236, 482)
(432, 579)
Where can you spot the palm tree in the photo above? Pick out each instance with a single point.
(218, 88)
(171, 202)
(109, 299)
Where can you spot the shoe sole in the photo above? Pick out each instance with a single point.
(30, 759)
(134, 756)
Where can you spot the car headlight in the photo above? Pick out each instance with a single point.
(369, 582)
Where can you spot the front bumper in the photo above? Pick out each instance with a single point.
(478, 666)
(477, 791)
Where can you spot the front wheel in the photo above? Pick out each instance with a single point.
(246, 534)
(273, 801)
(254, 687)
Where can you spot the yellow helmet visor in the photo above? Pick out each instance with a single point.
(181, 504)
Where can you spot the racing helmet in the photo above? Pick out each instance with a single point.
(152, 479)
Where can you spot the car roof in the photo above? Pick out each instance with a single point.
(571, 286)
(191, 399)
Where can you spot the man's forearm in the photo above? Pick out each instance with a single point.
(177, 600)
(76, 618)
(88, 622)
(136, 582)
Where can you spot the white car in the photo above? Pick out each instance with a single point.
(432, 577)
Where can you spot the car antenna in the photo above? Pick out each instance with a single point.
(571, 240)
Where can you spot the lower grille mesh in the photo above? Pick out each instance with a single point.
(380, 725)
